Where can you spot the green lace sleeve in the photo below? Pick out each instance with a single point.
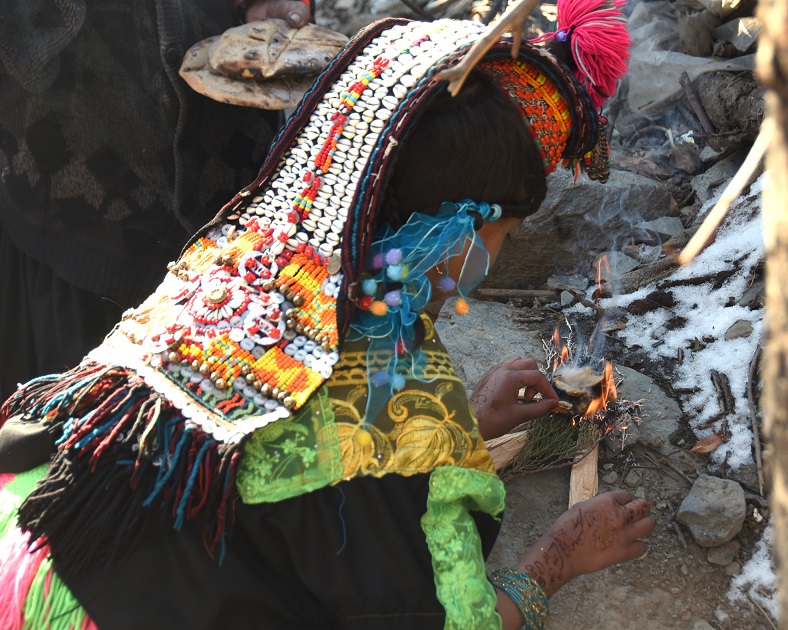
(453, 540)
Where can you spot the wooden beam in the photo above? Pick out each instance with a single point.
(584, 478)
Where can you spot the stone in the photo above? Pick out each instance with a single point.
(713, 511)
(740, 328)
(741, 33)
(577, 282)
(567, 299)
(614, 264)
(633, 478)
(695, 32)
(721, 8)
(621, 438)
(732, 569)
(666, 227)
(575, 218)
(706, 184)
(483, 337)
(724, 554)
(659, 414)
(610, 478)
(753, 297)
(708, 154)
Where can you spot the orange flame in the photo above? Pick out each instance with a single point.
(599, 277)
(607, 394)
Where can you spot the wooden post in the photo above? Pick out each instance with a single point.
(772, 67)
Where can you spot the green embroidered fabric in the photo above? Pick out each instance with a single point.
(423, 427)
(14, 492)
(460, 579)
(292, 457)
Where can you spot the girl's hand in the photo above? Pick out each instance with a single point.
(591, 535)
(496, 401)
(294, 12)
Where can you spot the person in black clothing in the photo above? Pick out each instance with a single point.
(108, 162)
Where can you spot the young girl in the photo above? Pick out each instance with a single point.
(276, 437)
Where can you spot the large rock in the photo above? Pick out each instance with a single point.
(713, 511)
(576, 221)
(484, 337)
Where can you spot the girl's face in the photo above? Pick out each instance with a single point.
(492, 234)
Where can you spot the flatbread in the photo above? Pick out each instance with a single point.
(272, 94)
(270, 48)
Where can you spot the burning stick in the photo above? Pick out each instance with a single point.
(587, 393)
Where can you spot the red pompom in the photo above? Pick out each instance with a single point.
(599, 40)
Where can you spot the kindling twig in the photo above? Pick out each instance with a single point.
(695, 103)
(679, 535)
(668, 463)
(756, 438)
(763, 612)
(725, 396)
(705, 232)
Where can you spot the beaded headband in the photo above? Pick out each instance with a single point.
(249, 322)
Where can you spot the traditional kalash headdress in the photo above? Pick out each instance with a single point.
(251, 319)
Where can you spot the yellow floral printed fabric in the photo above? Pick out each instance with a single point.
(424, 426)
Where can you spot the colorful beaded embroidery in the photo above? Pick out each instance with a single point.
(546, 111)
(251, 307)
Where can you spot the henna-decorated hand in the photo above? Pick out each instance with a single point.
(496, 402)
(597, 533)
(295, 12)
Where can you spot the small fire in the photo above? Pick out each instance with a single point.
(562, 356)
(608, 393)
(589, 392)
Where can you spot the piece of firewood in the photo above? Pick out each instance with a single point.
(584, 478)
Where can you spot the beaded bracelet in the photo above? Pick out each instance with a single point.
(527, 595)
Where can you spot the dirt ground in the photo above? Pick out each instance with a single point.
(674, 586)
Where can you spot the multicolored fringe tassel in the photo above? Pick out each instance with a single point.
(123, 448)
